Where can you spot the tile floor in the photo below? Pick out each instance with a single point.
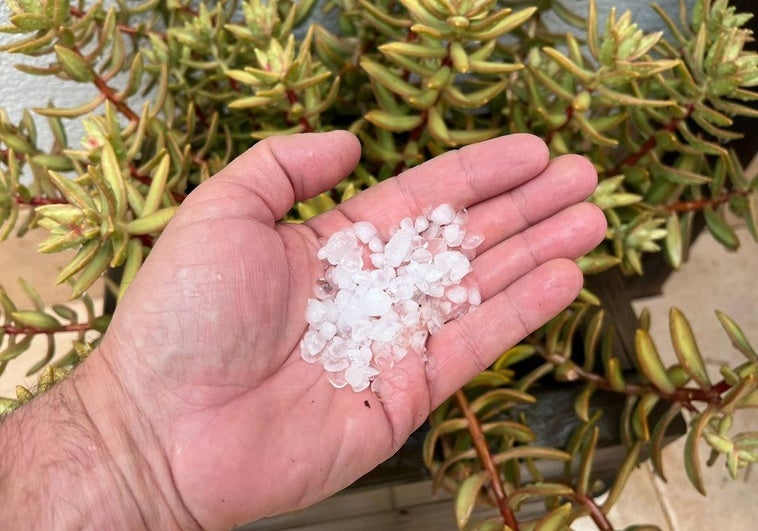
(712, 279)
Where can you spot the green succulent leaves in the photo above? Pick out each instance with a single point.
(413, 79)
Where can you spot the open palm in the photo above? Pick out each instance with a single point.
(205, 341)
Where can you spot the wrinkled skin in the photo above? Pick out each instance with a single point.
(203, 349)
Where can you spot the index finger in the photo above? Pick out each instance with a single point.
(462, 178)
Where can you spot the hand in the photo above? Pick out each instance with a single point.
(203, 349)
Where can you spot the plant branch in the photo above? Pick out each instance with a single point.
(684, 395)
(483, 451)
(144, 179)
(38, 200)
(293, 99)
(701, 204)
(123, 28)
(5, 154)
(650, 143)
(27, 330)
(111, 96)
(553, 131)
(596, 513)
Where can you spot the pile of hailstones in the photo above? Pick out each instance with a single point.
(366, 319)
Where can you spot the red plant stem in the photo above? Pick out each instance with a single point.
(650, 143)
(27, 330)
(701, 204)
(412, 37)
(147, 240)
(123, 28)
(483, 451)
(4, 153)
(108, 92)
(685, 396)
(293, 99)
(144, 179)
(597, 515)
(550, 133)
(39, 200)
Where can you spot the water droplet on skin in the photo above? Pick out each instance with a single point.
(430, 366)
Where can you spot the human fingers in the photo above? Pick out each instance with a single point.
(264, 182)
(570, 233)
(466, 346)
(462, 178)
(567, 180)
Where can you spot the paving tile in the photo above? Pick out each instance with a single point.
(729, 503)
(639, 504)
(713, 279)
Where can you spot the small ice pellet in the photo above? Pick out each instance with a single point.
(315, 312)
(406, 224)
(457, 294)
(377, 302)
(337, 379)
(314, 343)
(365, 231)
(453, 235)
(352, 261)
(327, 331)
(432, 232)
(339, 244)
(421, 224)
(306, 355)
(377, 259)
(472, 241)
(398, 247)
(421, 256)
(376, 245)
(359, 355)
(336, 364)
(442, 215)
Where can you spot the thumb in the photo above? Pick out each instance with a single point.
(265, 181)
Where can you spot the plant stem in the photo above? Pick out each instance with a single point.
(551, 132)
(39, 200)
(650, 143)
(26, 330)
(123, 28)
(685, 396)
(108, 92)
(701, 204)
(596, 513)
(483, 451)
(292, 97)
(4, 153)
(144, 179)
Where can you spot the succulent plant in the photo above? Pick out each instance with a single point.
(183, 87)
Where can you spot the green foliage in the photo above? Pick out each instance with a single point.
(502, 415)
(184, 87)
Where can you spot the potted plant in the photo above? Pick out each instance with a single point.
(182, 87)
